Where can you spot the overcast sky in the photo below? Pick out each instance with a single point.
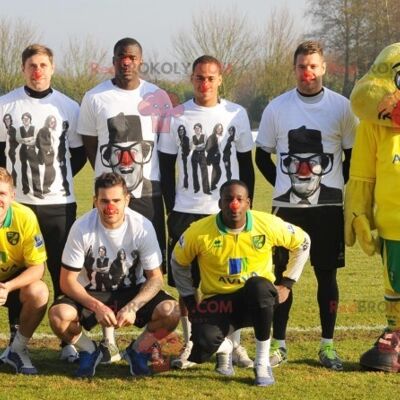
(152, 22)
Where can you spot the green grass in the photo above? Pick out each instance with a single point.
(361, 315)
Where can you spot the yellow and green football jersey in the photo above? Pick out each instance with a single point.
(21, 242)
(227, 260)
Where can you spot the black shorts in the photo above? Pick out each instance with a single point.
(325, 225)
(115, 300)
(213, 317)
(153, 209)
(177, 223)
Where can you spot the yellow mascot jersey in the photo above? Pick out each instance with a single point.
(21, 242)
(377, 154)
(227, 260)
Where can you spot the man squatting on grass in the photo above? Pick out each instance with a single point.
(234, 253)
(22, 267)
(131, 291)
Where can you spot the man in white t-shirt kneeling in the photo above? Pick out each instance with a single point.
(127, 290)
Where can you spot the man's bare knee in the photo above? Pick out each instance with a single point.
(37, 293)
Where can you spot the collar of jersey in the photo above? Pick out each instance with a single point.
(7, 219)
(222, 227)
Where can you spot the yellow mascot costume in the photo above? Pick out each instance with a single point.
(373, 191)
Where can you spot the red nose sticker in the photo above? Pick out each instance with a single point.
(110, 209)
(37, 75)
(308, 76)
(234, 205)
(203, 87)
(125, 60)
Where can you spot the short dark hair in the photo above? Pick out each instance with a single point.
(127, 42)
(34, 49)
(28, 115)
(232, 182)
(206, 59)
(108, 180)
(308, 47)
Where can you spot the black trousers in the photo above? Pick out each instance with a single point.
(252, 305)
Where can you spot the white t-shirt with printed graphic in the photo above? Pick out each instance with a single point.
(225, 129)
(109, 259)
(135, 120)
(331, 116)
(38, 154)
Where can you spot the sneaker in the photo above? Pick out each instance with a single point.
(88, 363)
(69, 353)
(182, 361)
(138, 362)
(329, 358)
(385, 353)
(264, 376)
(278, 355)
(20, 361)
(110, 352)
(224, 364)
(241, 358)
(3, 355)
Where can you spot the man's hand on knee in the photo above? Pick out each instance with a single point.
(105, 316)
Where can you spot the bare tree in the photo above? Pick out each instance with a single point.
(14, 38)
(226, 35)
(272, 72)
(353, 32)
(280, 41)
(82, 67)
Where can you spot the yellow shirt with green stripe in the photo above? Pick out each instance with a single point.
(21, 242)
(227, 260)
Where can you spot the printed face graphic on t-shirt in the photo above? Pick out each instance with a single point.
(126, 152)
(306, 164)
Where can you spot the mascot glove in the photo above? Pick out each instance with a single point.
(366, 239)
(358, 201)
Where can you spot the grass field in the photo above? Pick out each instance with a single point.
(361, 317)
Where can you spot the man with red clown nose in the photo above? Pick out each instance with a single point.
(234, 253)
(109, 230)
(209, 127)
(309, 128)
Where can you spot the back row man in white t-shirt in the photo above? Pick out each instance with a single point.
(210, 142)
(120, 120)
(309, 128)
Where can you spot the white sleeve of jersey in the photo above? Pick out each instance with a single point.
(3, 130)
(297, 259)
(149, 250)
(74, 254)
(245, 141)
(167, 141)
(266, 137)
(74, 140)
(87, 117)
(348, 126)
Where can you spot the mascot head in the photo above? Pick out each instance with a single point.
(376, 96)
